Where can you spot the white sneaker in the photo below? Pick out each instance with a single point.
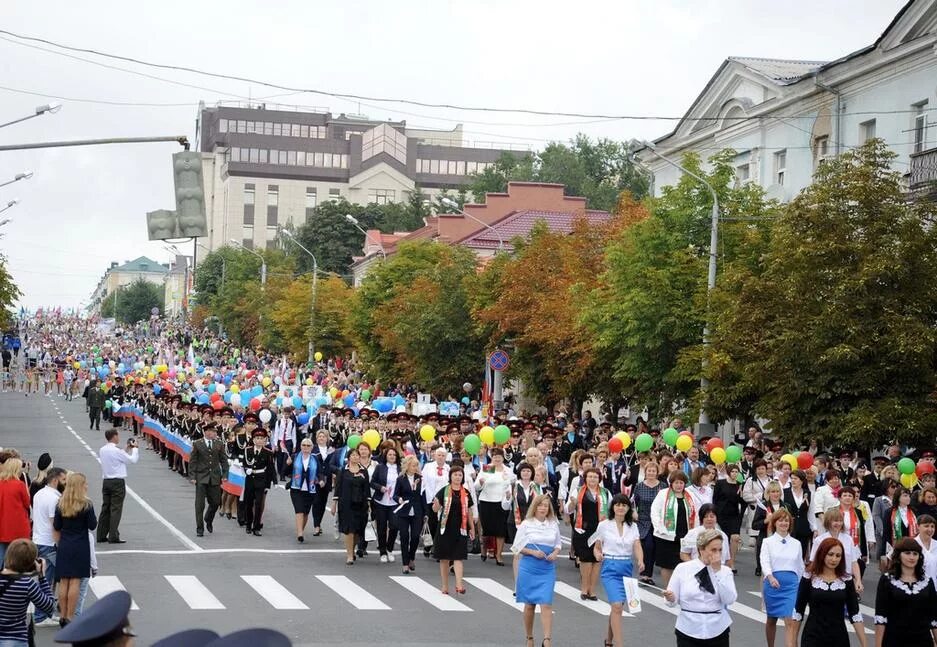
(48, 622)
(383, 559)
(390, 557)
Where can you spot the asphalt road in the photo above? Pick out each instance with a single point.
(229, 580)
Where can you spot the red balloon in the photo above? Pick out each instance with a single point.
(923, 467)
(712, 443)
(215, 397)
(804, 460)
(255, 404)
(615, 445)
(217, 404)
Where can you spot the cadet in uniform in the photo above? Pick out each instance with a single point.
(260, 472)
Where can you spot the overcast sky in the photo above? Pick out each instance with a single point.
(86, 206)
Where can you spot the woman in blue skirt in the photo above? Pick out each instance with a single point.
(782, 564)
(617, 546)
(538, 543)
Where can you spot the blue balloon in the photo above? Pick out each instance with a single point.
(279, 401)
(217, 377)
(203, 399)
(466, 401)
(303, 418)
(211, 387)
(257, 391)
(354, 410)
(200, 370)
(227, 379)
(321, 400)
(157, 389)
(83, 364)
(103, 371)
(383, 405)
(227, 397)
(349, 400)
(120, 366)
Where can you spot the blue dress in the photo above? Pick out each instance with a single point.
(73, 557)
(536, 577)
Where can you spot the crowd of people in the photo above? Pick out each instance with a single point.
(641, 501)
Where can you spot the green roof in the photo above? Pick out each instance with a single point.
(142, 264)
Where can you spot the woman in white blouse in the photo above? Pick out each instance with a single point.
(703, 588)
(701, 487)
(782, 565)
(707, 516)
(494, 486)
(617, 546)
(538, 543)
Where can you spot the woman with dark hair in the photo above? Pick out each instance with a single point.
(673, 515)
(453, 504)
(906, 602)
(828, 588)
(797, 500)
(350, 502)
(522, 493)
(590, 505)
(494, 484)
(727, 498)
(20, 586)
(707, 521)
(899, 522)
(616, 544)
(383, 485)
(644, 493)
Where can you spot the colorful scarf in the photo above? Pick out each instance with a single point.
(601, 503)
(853, 523)
(534, 487)
(909, 522)
(670, 511)
(447, 505)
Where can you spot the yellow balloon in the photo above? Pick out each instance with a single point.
(487, 435)
(372, 437)
(318, 356)
(427, 432)
(308, 381)
(718, 455)
(790, 460)
(684, 443)
(235, 389)
(76, 365)
(624, 438)
(909, 480)
(333, 391)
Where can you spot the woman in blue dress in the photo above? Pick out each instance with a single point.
(538, 543)
(783, 566)
(617, 546)
(74, 517)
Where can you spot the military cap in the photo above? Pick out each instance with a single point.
(259, 637)
(103, 622)
(188, 638)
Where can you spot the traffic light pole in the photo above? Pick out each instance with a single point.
(182, 140)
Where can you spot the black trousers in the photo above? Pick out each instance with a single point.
(410, 529)
(211, 492)
(722, 640)
(283, 470)
(433, 522)
(94, 414)
(384, 517)
(647, 545)
(319, 503)
(255, 496)
(114, 491)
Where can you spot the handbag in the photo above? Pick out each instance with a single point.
(426, 538)
(370, 533)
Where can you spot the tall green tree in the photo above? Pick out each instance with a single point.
(9, 294)
(510, 167)
(132, 303)
(834, 331)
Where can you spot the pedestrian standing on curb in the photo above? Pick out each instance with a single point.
(208, 466)
(114, 461)
(44, 505)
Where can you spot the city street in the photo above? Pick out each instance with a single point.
(229, 580)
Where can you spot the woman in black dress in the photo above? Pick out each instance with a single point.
(906, 602)
(797, 500)
(453, 504)
(827, 588)
(74, 517)
(727, 499)
(350, 500)
(590, 505)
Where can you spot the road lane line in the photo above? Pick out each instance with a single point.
(104, 584)
(430, 593)
(656, 601)
(273, 592)
(353, 593)
(195, 594)
(496, 590)
(572, 593)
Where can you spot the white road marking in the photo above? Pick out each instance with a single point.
(273, 592)
(496, 590)
(195, 594)
(647, 597)
(430, 593)
(572, 593)
(353, 593)
(104, 584)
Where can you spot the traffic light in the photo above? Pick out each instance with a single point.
(161, 224)
(190, 194)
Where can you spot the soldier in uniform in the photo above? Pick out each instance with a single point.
(260, 472)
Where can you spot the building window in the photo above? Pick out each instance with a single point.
(335, 194)
(919, 127)
(222, 125)
(273, 201)
(263, 155)
(349, 133)
(317, 160)
(255, 155)
(247, 236)
(780, 167)
(248, 205)
(384, 139)
(242, 127)
(866, 131)
(291, 158)
(381, 196)
(434, 166)
(268, 128)
(311, 201)
(271, 234)
(821, 150)
(743, 173)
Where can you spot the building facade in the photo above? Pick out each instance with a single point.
(266, 168)
(784, 117)
(118, 275)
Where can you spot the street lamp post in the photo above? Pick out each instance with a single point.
(711, 278)
(50, 108)
(12, 203)
(263, 263)
(18, 177)
(312, 310)
(455, 205)
(350, 218)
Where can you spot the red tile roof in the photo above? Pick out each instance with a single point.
(520, 223)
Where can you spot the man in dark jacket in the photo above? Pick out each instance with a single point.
(96, 400)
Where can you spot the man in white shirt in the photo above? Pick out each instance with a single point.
(435, 477)
(44, 505)
(114, 461)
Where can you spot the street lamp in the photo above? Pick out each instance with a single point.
(263, 263)
(452, 204)
(18, 177)
(10, 204)
(350, 218)
(312, 310)
(711, 278)
(50, 108)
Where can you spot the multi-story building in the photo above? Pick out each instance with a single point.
(265, 168)
(784, 117)
(118, 275)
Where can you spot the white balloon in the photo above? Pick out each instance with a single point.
(220, 388)
(235, 399)
(265, 415)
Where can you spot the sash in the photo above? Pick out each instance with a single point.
(909, 522)
(601, 503)
(534, 487)
(853, 524)
(311, 471)
(670, 511)
(447, 505)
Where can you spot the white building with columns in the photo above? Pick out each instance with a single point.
(783, 117)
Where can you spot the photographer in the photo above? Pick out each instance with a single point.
(114, 461)
(22, 581)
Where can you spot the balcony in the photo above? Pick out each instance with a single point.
(923, 177)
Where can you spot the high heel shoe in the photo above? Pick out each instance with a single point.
(460, 591)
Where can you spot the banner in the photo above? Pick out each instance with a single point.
(235, 483)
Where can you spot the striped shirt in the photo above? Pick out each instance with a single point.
(18, 592)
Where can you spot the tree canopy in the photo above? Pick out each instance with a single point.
(133, 302)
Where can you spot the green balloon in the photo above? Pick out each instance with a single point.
(906, 466)
(353, 441)
(107, 404)
(670, 436)
(472, 444)
(366, 395)
(643, 443)
(502, 434)
(733, 454)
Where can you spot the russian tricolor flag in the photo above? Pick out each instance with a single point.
(235, 483)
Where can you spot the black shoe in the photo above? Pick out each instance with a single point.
(199, 533)
(360, 553)
(300, 539)
(208, 526)
(116, 541)
(247, 530)
(758, 571)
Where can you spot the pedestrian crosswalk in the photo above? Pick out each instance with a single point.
(384, 593)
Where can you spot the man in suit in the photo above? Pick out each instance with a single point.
(208, 466)
(320, 420)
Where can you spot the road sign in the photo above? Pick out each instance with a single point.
(499, 360)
